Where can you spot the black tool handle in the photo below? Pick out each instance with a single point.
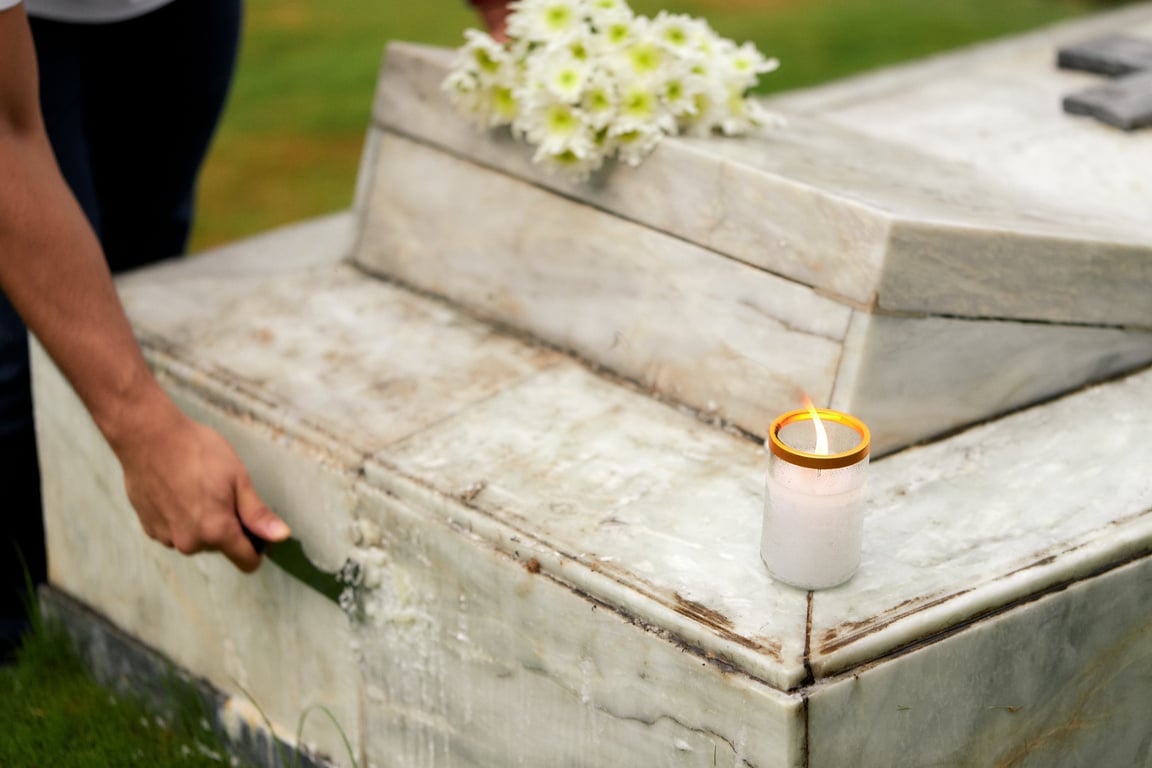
(257, 543)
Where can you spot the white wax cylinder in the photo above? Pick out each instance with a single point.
(814, 506)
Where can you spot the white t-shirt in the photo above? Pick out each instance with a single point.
(88, 11)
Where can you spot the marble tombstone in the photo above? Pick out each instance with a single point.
(502, 406)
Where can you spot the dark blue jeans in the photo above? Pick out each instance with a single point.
(130, 108)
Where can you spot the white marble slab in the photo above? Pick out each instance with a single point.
(474, 659)
(991, 516)
(605, 545)
(202, 285)
(311, 350)
(945, 255)
(996, 108)
(851, 213)
(1064, 680)
(830, 243)
(649, 510)
(911, 379)
(706, 331)
(630, 498)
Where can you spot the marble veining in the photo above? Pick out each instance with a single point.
(654, 511)
(1063, 680)
(916, 378)
(310, 341)
(473, 656)
(819, 201)
(660, 512)
(996, 108)
(993, 514)
(709, 332)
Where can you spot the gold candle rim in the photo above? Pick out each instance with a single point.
(818, 460)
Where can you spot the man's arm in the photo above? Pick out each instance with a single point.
(189, 488)
(495, 15)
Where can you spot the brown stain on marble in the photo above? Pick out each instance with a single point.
(723, 626)
(838, 637)
(720, 624)
(701, 613)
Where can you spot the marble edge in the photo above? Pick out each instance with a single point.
(884, 268)
(679, 150)
(929, 617)
(934, 617)
(315, 242)
(593, 581)
(232, 397)
(903, 287)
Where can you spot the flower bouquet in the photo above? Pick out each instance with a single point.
(587, 80)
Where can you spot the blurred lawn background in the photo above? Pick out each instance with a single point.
(292, 133)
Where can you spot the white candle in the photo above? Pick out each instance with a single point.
(814, 506)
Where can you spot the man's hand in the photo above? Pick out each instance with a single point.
(191, 491)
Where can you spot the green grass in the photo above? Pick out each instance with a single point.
(292, 134)
(55, 715)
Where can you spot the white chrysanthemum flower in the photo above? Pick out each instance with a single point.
(639, 57)
(679, 93)
(610, 38)
(736, 118)
(634, 144)
(641, 108)
(600, 100)
(742, 66)
(604, 13)
(709, 105)
(579, 49)
(501, 105)
(544, 21)
(489, 105)
(482, 83)
(483, 56)
(555, 127)
(563, 75)
(682, 34)
(462, 87)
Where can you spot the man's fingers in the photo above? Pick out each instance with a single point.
(253, 524)
(242, 554)
(236, 544)
(255, 515)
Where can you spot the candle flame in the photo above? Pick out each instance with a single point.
(821, 433)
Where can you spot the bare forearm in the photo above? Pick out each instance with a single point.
(53, 271)
(188, 486)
